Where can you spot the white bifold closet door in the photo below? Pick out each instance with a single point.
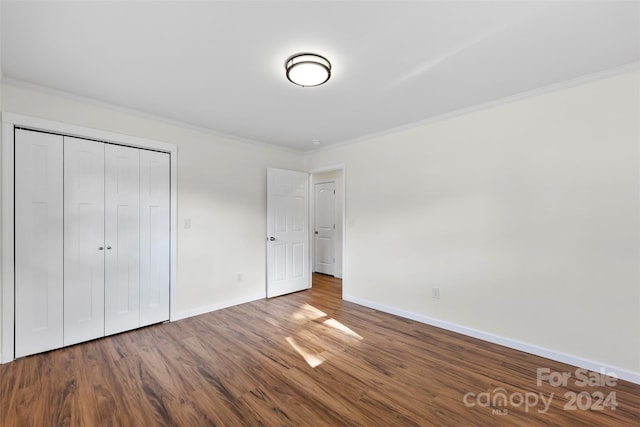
(38, 242)
(84, 240)
(122, 238)
(92, 240)
(155, 188)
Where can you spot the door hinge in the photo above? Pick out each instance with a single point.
(334, 192)
(334, 226)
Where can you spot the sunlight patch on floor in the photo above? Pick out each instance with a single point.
(308, 312)
(309, 315)
(333, 323)
(312, 359)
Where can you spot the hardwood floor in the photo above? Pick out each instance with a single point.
(306, 359)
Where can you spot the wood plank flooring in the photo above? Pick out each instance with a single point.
(306, 359)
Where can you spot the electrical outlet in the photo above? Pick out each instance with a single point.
(240, 277)
(435, 293)
(187, 223)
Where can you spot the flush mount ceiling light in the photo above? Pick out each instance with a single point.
(308, 69)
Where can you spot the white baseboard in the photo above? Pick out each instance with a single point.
(215, 307)
(623, 374)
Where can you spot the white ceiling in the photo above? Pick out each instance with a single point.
(220, 65)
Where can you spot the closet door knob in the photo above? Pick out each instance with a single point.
(100, 248)
(108, 247)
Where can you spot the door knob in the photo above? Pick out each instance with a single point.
(108, 247)
(100, 248)
(316, 232)
(272, 238)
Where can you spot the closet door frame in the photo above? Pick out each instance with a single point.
(12, 121)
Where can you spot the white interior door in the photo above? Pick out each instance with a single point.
(38, 242)
(287, 232)
(122, 239)
(325, 227)
(84, 245)
(155, 193)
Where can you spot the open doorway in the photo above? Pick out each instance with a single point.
(327, 222)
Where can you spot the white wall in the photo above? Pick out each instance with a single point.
(525, 215)
(221, 188)
(335, 176)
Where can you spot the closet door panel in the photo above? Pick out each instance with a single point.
(38, 242)
(83, 240)
(122, 238)
(154, 237)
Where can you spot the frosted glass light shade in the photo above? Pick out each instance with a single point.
(308, 69)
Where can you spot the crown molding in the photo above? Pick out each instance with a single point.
(490, 104)
(9, 81)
